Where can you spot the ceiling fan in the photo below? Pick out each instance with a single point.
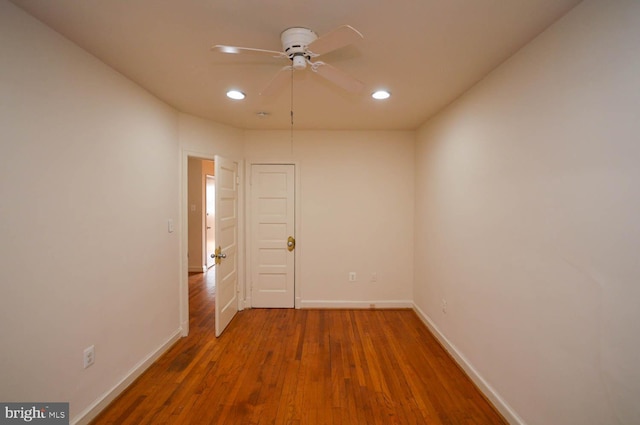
(301, 45)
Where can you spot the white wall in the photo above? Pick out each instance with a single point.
(204, 139)
(527, 222)
(356, 213)
(89, 168)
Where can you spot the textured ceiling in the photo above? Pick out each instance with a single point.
(426, 52)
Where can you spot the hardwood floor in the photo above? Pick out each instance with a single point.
(302, 367)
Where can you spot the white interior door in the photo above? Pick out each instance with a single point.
(272, 234)
(210, 219)
(226, 231)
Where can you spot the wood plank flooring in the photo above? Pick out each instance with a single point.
(302, 367)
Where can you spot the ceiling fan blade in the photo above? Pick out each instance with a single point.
(339, 37)
(278, 82)
(338, 77)
(247, 50)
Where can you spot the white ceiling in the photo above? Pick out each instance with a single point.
(426, 52)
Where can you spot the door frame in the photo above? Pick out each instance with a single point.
(298, 233)
(183, 215)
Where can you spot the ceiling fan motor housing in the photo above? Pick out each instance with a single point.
(294, 44)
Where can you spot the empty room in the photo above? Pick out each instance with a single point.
(336, 212)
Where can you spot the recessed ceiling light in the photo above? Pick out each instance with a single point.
(380, 94)
(235, 95)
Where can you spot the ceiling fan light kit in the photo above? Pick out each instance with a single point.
(299, 62)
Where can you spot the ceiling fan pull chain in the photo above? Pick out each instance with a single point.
(291, 111)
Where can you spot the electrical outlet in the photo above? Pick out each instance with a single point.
(352, 276)
(444, 305)
(374, 277)
(89, 356)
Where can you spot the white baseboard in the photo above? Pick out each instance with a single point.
(197, 269)
(355, 304)
(103, 401)
(505, 410)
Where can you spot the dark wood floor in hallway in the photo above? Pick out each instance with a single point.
(302, 367)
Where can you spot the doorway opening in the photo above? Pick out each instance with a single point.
(200, 176)
(212, 236)
(201, 233)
